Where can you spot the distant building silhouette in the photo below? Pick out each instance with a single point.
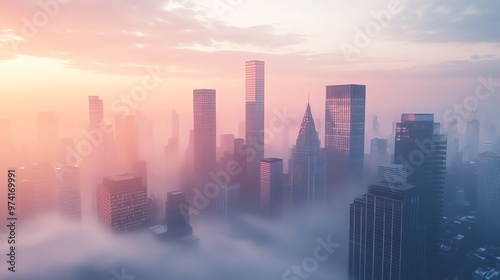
(175, 124)
(471, 149)
(378, 148)
(453, 156)
(344, 133)
(37, 192)
(228, 201)
(226, 145)
(375, 126)
(96, 111)
(122, 203)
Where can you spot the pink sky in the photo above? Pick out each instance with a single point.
(89, 47)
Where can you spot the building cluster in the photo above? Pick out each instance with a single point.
(430, 204)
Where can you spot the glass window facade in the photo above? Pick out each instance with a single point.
(344, 132)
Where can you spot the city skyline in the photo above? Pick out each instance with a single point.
(221, 140)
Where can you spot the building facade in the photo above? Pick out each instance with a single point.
(344, 133)
(419, 146)
(385, 238)
(488, 198)
(308, 165)
(205, 141)
(122, 203)
(271, 186)
(254, 126)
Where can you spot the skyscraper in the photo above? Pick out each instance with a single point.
(254, 124)
(37, 192)
(69, 197)
(96, 111)
(177, 211)
(424, 153)
(453, 146)
(308, 165)
(177, 228)
(271, 186)
(205, 141)
(122, 203)
(488, 198)
(385, 238)
(344, 133)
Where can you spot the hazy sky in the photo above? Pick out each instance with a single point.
(425, 59)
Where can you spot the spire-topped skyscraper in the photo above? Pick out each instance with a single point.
(308, 165)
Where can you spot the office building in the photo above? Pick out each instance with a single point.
(423, 151)
(254, 125)
(96, 111)
(271, 186)
(122, 203)
(385, 238)
(69, 193)
(488, 198)
(204, 101)
(344, 133)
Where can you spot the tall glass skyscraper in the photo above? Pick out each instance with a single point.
(488, 198)
(254, 125)
(308, 165)
(205, 141)
(344, 133)
(423, 151)
(385, 238)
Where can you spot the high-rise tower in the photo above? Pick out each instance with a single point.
(308, 165)
(423, 151)
(204, 101)
(344, 133)
(254, 125)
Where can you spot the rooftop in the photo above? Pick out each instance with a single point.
(120, 177)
